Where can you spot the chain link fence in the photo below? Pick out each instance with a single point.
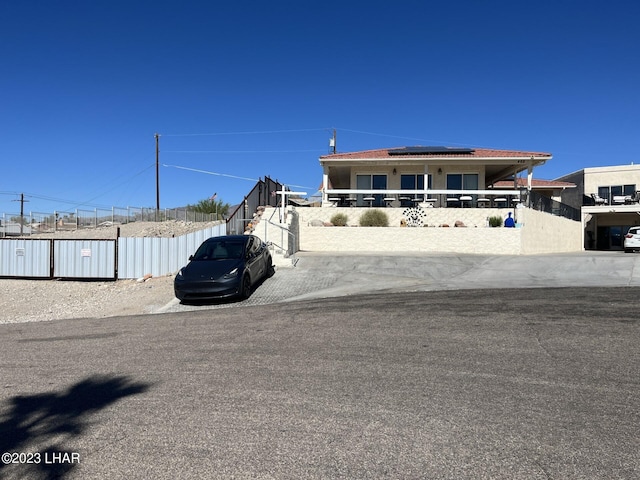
(15, 225)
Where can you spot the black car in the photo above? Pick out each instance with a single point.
(224, 267)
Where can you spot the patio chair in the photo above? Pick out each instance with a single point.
(598, 199)
(453, 202)
(388, 201)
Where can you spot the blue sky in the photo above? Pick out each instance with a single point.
(245, 89)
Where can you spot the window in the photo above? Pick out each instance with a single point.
(610, 191)
(462, 181)
(371, 182)
(412, 182)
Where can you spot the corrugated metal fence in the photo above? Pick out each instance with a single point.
(25, 258)
(100, 259)
(160, 256)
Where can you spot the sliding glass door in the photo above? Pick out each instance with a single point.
(371, 182)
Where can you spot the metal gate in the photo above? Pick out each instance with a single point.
(48, 258)
(25, 258)
(95, 259)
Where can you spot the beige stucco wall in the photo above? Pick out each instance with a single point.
(475, 238)
(545, 233)
(606, 176)
(439, 180)
(589, 179)
(407, 239)
(538, 232)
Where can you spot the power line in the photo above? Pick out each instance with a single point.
(211, 173)
(442, 142)
(227, 175)
(77, 203)
(242, 151)
(263, 132)
(86, 203)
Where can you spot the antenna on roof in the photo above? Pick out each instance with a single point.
(332, 142)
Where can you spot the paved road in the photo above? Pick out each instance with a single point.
(538, 384)
(525, 383)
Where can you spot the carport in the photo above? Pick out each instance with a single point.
(604, 227)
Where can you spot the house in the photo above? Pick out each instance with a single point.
(608, 198)
(438, 189)
(441, 176)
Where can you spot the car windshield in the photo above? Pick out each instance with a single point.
(221, 250)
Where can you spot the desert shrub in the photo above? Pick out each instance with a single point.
(374, 218)
(339, 220)
(495, 221)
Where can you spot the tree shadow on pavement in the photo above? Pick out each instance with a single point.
(37, 424)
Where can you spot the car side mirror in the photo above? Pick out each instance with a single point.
(190, 257)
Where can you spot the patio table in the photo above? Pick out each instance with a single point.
(466, 199)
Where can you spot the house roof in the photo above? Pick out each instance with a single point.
(403, 153)
(535, 183)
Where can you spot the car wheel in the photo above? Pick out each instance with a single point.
(245, 290)
(271, 269)
(628, 250)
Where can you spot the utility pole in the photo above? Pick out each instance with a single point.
(332, 142)
(157, 136)
(22, 200)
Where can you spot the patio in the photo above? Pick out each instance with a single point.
(426, 199)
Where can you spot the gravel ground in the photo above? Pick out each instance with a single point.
(170, 228)
(42, 300)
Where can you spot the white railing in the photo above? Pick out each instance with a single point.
(344, 191)
(438, 197)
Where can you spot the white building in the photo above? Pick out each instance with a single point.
(608, 197)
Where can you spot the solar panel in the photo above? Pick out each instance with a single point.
(417, 150)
